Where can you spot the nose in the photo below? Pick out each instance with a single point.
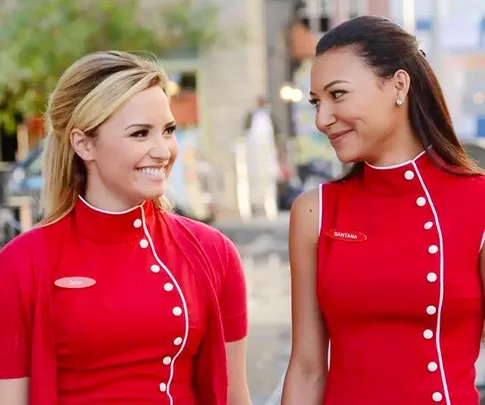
(324, 118)
(160, 148)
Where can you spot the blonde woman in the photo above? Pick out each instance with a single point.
(114, 299)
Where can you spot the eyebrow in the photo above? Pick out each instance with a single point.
(330, 85)
(149, 126)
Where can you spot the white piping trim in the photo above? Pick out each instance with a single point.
(442, 287)
(482, 242)
(111, 212)
(397, 166)
(184, 304)
(320, 208)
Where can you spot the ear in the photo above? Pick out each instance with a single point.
(82, 144)
(402, 83)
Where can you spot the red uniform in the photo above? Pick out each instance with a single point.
(159, 296)
(399, 285)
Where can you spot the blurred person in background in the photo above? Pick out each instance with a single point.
(388, 262)
(114, 299)
(262, 160)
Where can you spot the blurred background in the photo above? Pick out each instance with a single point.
(239, 80)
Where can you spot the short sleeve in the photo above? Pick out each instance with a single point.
(233, 297)
(14, 330)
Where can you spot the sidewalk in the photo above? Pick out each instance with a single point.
(263, 246)
(258, 237)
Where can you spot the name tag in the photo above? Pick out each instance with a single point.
(346, 236)
(75, 282)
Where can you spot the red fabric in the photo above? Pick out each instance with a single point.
(376, 297)
(115, 342)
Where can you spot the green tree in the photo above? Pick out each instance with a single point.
(39, 39)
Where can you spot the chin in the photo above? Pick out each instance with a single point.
(347, 157)
(152, 193)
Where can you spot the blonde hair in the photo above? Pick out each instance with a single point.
(87, 94)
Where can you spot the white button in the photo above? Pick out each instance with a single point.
(421, 201)
(432, 366)
(177, 341)
(428, 225)
(168, 287)
(431, 310)
(137, 223)
(428, 334)
(177, 311)
(143, 243)
(409, 175)
(155, 268)
(433, 249)
(163, 387)
(437, 397)
(167, 360)
(432, 277)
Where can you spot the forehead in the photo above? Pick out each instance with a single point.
(150, 105)
(339, 64)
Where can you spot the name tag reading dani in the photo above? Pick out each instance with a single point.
(75, 282)
(346, 236)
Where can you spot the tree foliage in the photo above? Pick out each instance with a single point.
(39, 39)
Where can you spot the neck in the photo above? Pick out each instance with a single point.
(104, 200)
(400, 149)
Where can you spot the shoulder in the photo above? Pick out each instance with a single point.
(220, 252)
(204, 233)
(305, 214)
(25, 249)
(216, 246)
(468, 186)
(476, 183)
(18, 263)
(308, 201)
(311, 202)
(20, 248)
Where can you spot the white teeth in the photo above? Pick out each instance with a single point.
(152, 171)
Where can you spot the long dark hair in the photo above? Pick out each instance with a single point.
(387, 48)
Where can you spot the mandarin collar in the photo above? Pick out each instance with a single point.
(403, 178)
(107, 226)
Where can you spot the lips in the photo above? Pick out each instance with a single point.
(334, 136)
(337, 136)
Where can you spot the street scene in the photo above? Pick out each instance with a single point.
(238, 79)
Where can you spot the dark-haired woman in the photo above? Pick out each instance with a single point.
(387, 263)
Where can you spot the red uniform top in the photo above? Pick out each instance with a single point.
(168, 293)
(399, 285)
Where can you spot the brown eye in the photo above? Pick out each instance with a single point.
(314, 102)
(337, 94)
(171, 130)
(140, 134)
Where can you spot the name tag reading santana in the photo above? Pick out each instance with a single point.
(345, 236)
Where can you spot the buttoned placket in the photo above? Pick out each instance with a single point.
(168, 287)
(432, 277)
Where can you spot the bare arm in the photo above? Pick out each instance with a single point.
(14, 391)
(238, 392)
(307, 369)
